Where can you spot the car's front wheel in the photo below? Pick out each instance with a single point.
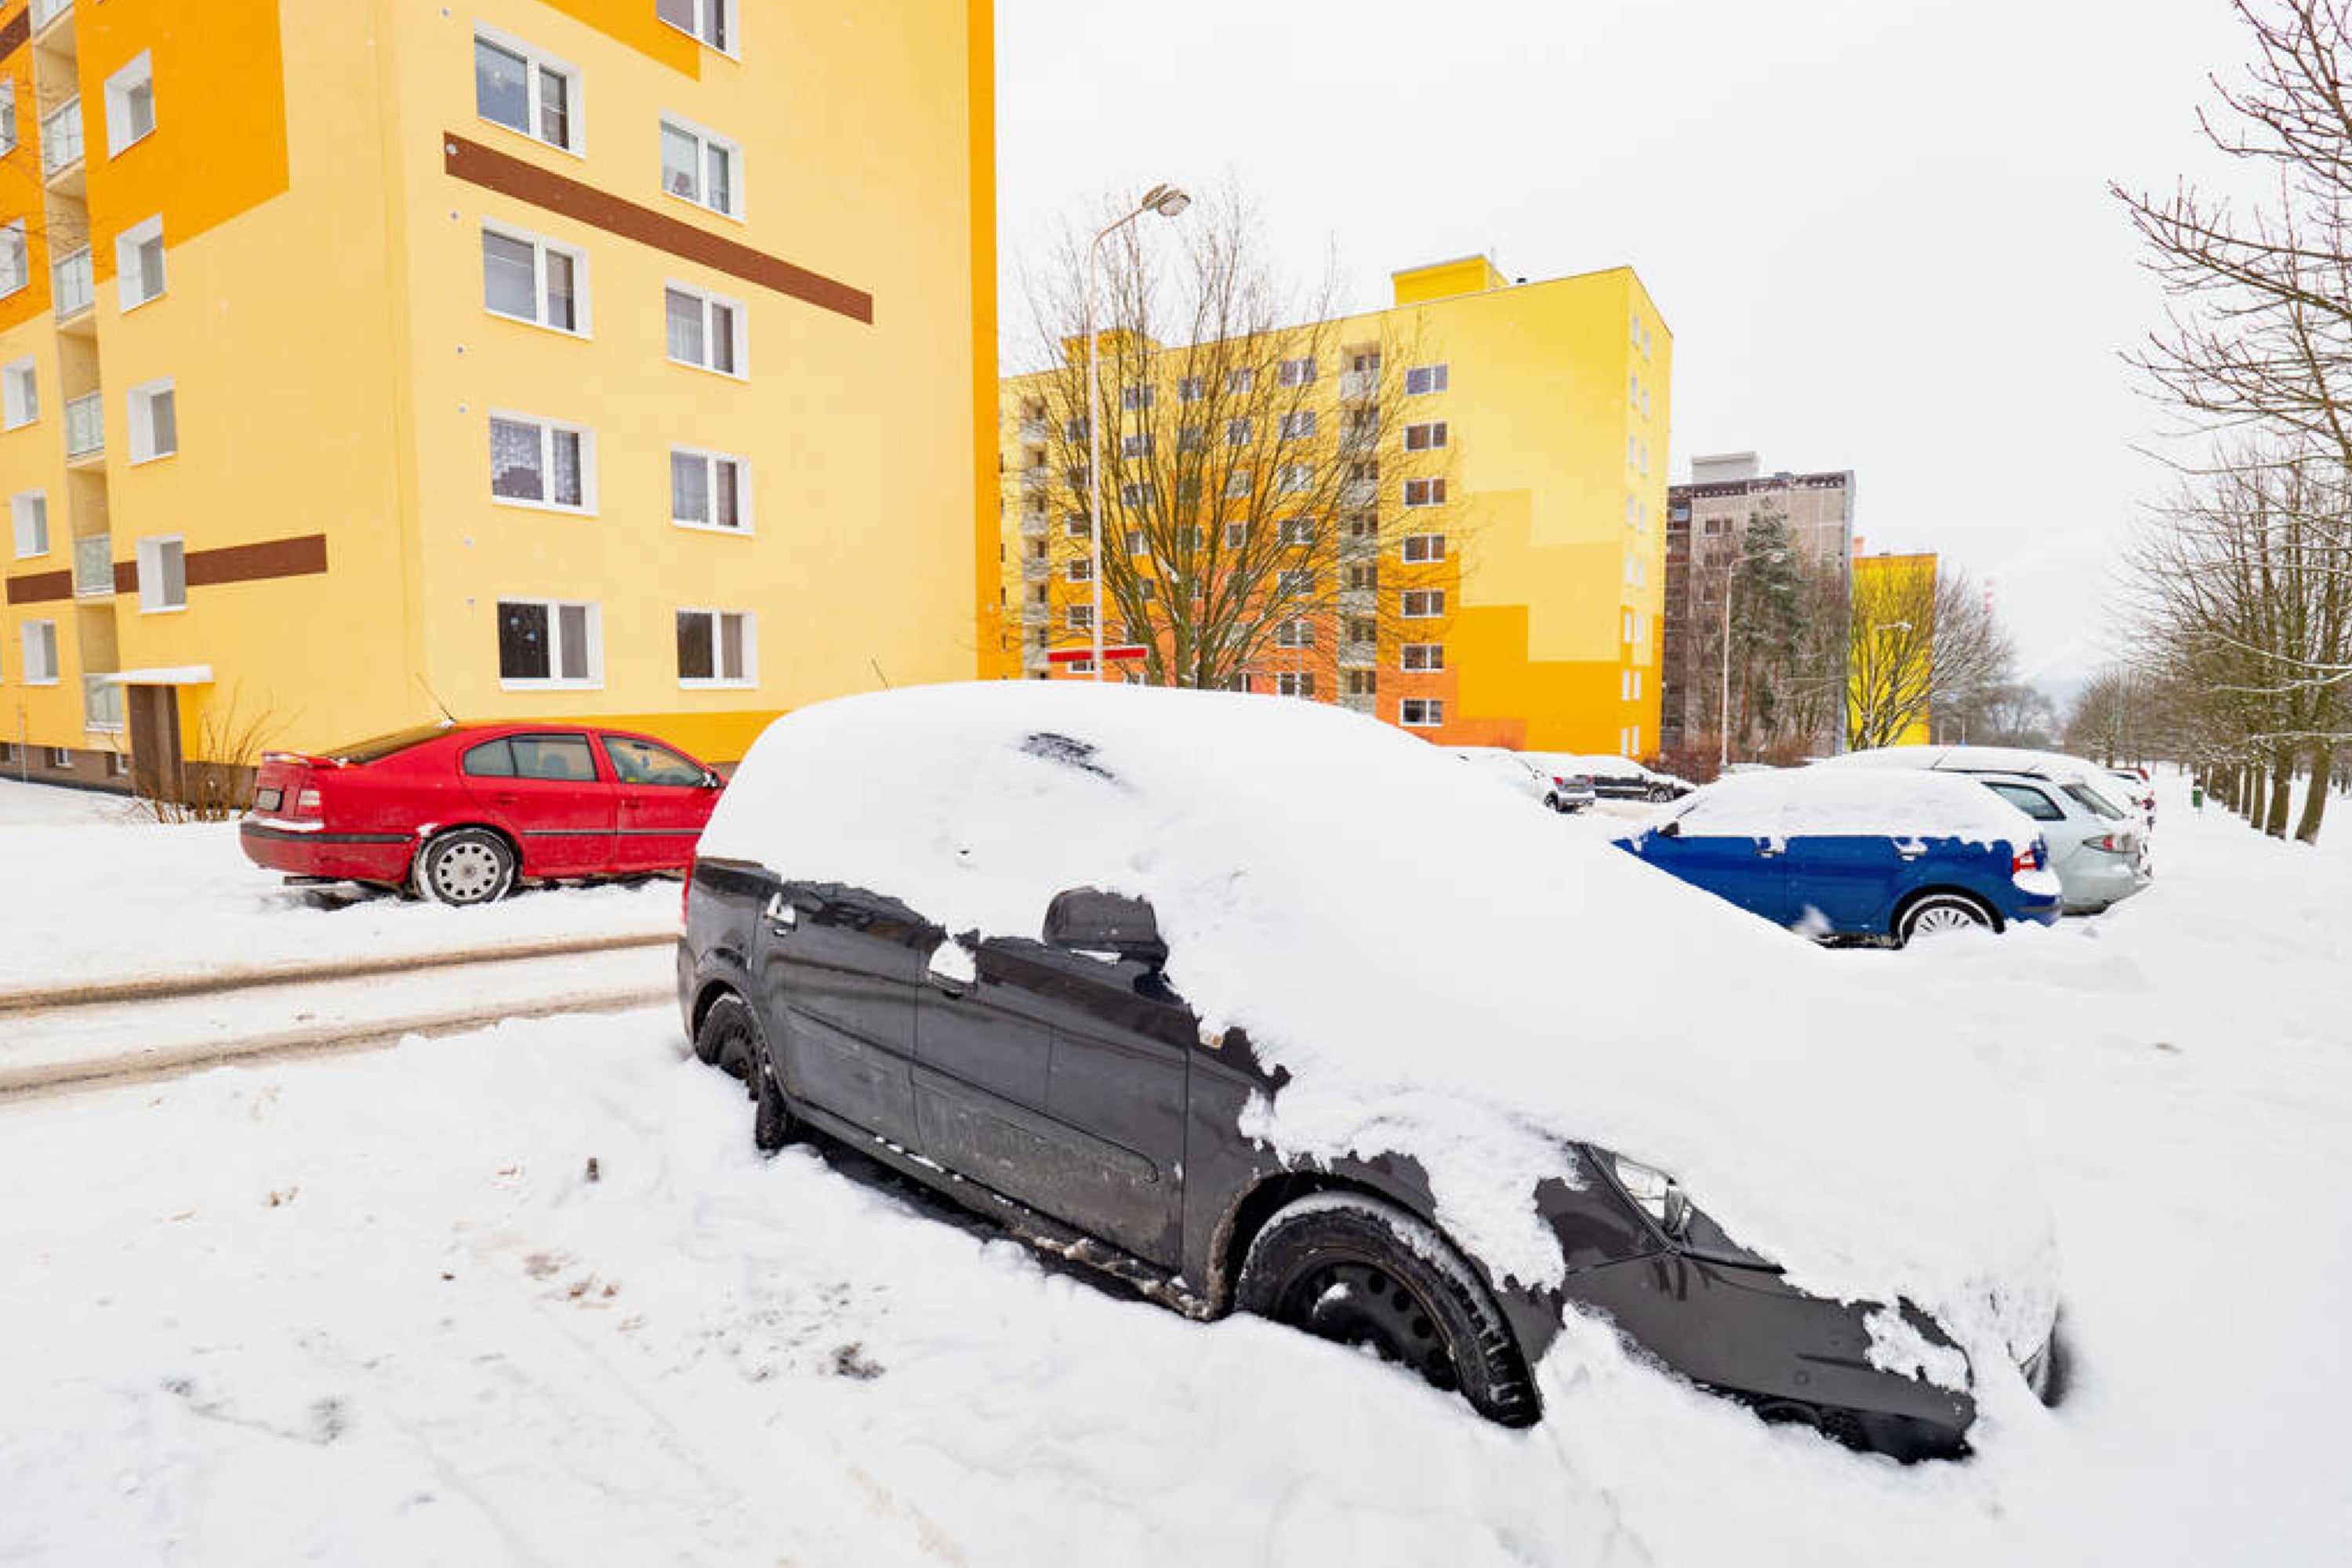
(1939, 913)
(464, 865)
(731, 1038)
(1365, 1273)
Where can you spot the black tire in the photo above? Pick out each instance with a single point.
(731, 1039)
(1554, 802)
(1936, 912)
(464, 866)
(1363, 1272)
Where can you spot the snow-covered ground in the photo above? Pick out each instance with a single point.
(376, 1309)
(89, 892)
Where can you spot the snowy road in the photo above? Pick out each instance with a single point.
(376, 1309)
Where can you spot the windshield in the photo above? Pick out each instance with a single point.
(383, 746)
(2093, 800)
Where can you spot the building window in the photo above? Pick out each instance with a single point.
(138, 264)
(707, 490)
(155, 422)
(1237, 484)
(1135, 542)
(20, 393)
(548, 642)
(1297, 581)
(703, 168)
(1236, 535)
(1359, 628)
(1296, 530)
(1291, 683)
(535, 462)
(38, 640)
(1421, 712)
(1425, 378)
(1297, 632)
(1079, 618)
(15, 268)
(130, 105)
(1424, 492)
(1424, 437)
(1080, 571)
(519, 87)
(1135, 495)
(1292, 478)
(1299, 426)
(706, 331)
(1419, 548)
(30, 509)
(715, 647)
(530, 279)
(1296, 372)
(1137, 446)
(1191, 389)
(1075, 430)
(1078, 525)
(1423, 656)
(162, 575)
(1135, 397)
(1361, 683)
(7, 116)
(1238, 381)
(1423, 603)
(1191, 439)
(712, 21)
(1237, 432)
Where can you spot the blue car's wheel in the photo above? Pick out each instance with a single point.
(1940, 913)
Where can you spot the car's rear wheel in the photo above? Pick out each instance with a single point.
(1365, 1273)
(464, 865)
(1941, 913)
(731, 1039)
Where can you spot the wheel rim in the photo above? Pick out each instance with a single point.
(468, 873)
(1361, 1305)
(1944, 918)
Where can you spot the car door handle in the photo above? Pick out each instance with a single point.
(1911, 851)
(503, 798)
(1768, 850)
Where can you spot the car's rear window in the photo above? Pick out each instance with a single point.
(383, 746)
(2093, 800)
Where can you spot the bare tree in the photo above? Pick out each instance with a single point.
(1261, 501)
(1919, 643)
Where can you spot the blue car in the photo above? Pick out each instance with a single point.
(1844, 854)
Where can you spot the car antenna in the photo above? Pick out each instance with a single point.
(446, 717)
(877, 672)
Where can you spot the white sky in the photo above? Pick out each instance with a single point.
(1878, 229)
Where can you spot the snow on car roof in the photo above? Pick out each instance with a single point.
(1799, 802)
(1467, 986)
(2056, 766)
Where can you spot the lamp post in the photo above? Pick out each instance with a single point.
(1723, 713)
(1167, 201)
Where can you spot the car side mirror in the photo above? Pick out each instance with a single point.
(1087, 920)
(712, 781)
(1670, 829)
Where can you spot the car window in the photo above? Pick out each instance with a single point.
(2029, 800)
(643, 763)
(383, 746)
(558, 757)
(490, 760)
(2092, 800)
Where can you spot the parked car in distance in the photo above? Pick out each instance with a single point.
(1523, 773)
(2138, 789)
(2098, 841)
(1621, 778)
(1856, 854)
(976, 933)
(462, 813)
(1572, 788)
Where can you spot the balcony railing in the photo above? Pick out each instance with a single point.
(1036, 479)
(61, 137)
(1359, 655)
(1035, 569)
(73, 283)
(93, 566)
(1033, 524)
(1356, 384)
(86, 426)
(48, 11)
(1033, 431)
(1034, 614)
(101, 704)
(1359, 701)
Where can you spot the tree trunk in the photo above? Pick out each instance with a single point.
(2315, 804)
(2251, 794)
(2281, 794)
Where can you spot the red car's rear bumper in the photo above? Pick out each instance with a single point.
(359, 856)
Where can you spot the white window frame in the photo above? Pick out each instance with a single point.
(540, 248)
(1431, 603)
(151, 574)
(139, 402)
(750, 675)
(1292, 478)
(127, 245)
(61, 757)
(1294, 531)
(20, 393)
(1300, 372)
(593, 681)
(1081, 570)
(1134, 444)
(1295, 580)
(535, 60)
(1422, 549)
(16, 259)
(120, 87)
(739, 328)
(1430, 378)
(1191, 388)
(1237, 432)
(1242, 379)
(41, 671)
(1294, 683)
(1299, 425)
(710, 462)
(1236, 535)
(1295, 632)
(1422, 658)
(1421, 712)
(1431, 492)
(26, 504)
(724, 17)
(1079, 618)
(546, 427)
(704, 140)
(1136, 396)
(1432, 433)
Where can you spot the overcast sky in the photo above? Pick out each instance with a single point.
(1879, 229)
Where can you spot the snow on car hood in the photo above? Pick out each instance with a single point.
(1798, 802)
(1443, 973)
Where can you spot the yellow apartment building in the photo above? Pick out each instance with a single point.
(1520, 494)
(619, 360)
(1891, 652)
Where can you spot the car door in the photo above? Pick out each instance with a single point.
(1746, 868)
(661, 801)
(842, 967)
(1057, 1078)
(1849, 882)
(545, 790)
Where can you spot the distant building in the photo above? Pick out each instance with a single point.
(1707, 529)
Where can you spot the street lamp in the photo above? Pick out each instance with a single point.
(1167, 201)
(1723, 714)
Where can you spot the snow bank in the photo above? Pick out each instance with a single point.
(1440, 974)
(1797, 802)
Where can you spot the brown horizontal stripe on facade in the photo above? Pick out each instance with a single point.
(302, 555)
(40, 587)
(478, 165)
(16, 32)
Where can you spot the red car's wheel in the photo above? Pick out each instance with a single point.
(464, 865)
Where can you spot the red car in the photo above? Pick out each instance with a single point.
(462, 813)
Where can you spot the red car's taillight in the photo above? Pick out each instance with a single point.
(307, 803)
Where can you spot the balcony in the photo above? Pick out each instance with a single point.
(1034, 479)
(101, 704)
(1355, 385)
(1035, 569)
(61, 146)
(72, 284)
(1358, 601)
(1034, 614)
(1359, 655)
(1033, 524)
(85, 426)
(1359, 492)
(93, 566)
(1357, 702)
(1033, 432)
